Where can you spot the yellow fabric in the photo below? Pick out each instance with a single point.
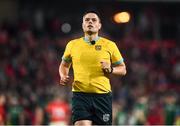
(86, 58)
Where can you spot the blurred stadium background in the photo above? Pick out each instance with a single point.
(33, 35)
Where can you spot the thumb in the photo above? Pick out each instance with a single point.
(102, 62)
(67, 77)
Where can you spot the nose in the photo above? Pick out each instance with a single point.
(90, 21)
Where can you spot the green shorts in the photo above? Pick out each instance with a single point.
(94, 107)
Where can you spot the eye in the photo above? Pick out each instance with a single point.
(87, 19)
(94, 19)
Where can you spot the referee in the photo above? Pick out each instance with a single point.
(93, 58)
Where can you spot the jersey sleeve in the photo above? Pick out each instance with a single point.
(116, 57)
(67, 53)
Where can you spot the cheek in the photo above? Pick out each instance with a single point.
(98, 26)
(86, 26)
(83, 26)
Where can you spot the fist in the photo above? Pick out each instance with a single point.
(106, 67)
(64, 80)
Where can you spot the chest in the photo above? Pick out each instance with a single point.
(90, 53)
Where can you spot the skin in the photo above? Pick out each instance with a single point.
(91, 26)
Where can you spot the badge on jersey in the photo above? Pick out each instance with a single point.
(98, 47)
(106, 117)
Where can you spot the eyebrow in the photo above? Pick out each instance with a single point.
(90, 18)
(93, 13)
(94, 19)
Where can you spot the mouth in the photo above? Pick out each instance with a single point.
(90, 26)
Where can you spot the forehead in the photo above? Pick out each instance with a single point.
(90, 15)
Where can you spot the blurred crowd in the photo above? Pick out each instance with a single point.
(29, 90)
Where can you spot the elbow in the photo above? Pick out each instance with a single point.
(120, 70)
(124, 72)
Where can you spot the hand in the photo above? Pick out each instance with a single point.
(64, 80)
(106, 67)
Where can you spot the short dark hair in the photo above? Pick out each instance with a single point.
(94, 12)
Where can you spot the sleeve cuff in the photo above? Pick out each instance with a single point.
(118, 62)
(67, 60)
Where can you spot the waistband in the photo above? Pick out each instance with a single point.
(91, 94)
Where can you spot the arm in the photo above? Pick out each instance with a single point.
(119, 69)
(63, 72)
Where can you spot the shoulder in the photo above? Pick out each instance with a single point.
(108, 41)
(74, 41)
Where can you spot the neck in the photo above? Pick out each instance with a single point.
(91, 37)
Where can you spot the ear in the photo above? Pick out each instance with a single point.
(100, 25)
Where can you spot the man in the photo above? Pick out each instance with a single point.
(92, 58)
(2, 109)
(58, 111)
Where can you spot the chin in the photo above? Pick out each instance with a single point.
(90, 32)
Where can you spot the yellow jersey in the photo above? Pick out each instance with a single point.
(85, 57)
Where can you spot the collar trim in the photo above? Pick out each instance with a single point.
(87, 40)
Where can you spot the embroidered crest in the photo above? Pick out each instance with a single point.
(106, 117)
(98, 47)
